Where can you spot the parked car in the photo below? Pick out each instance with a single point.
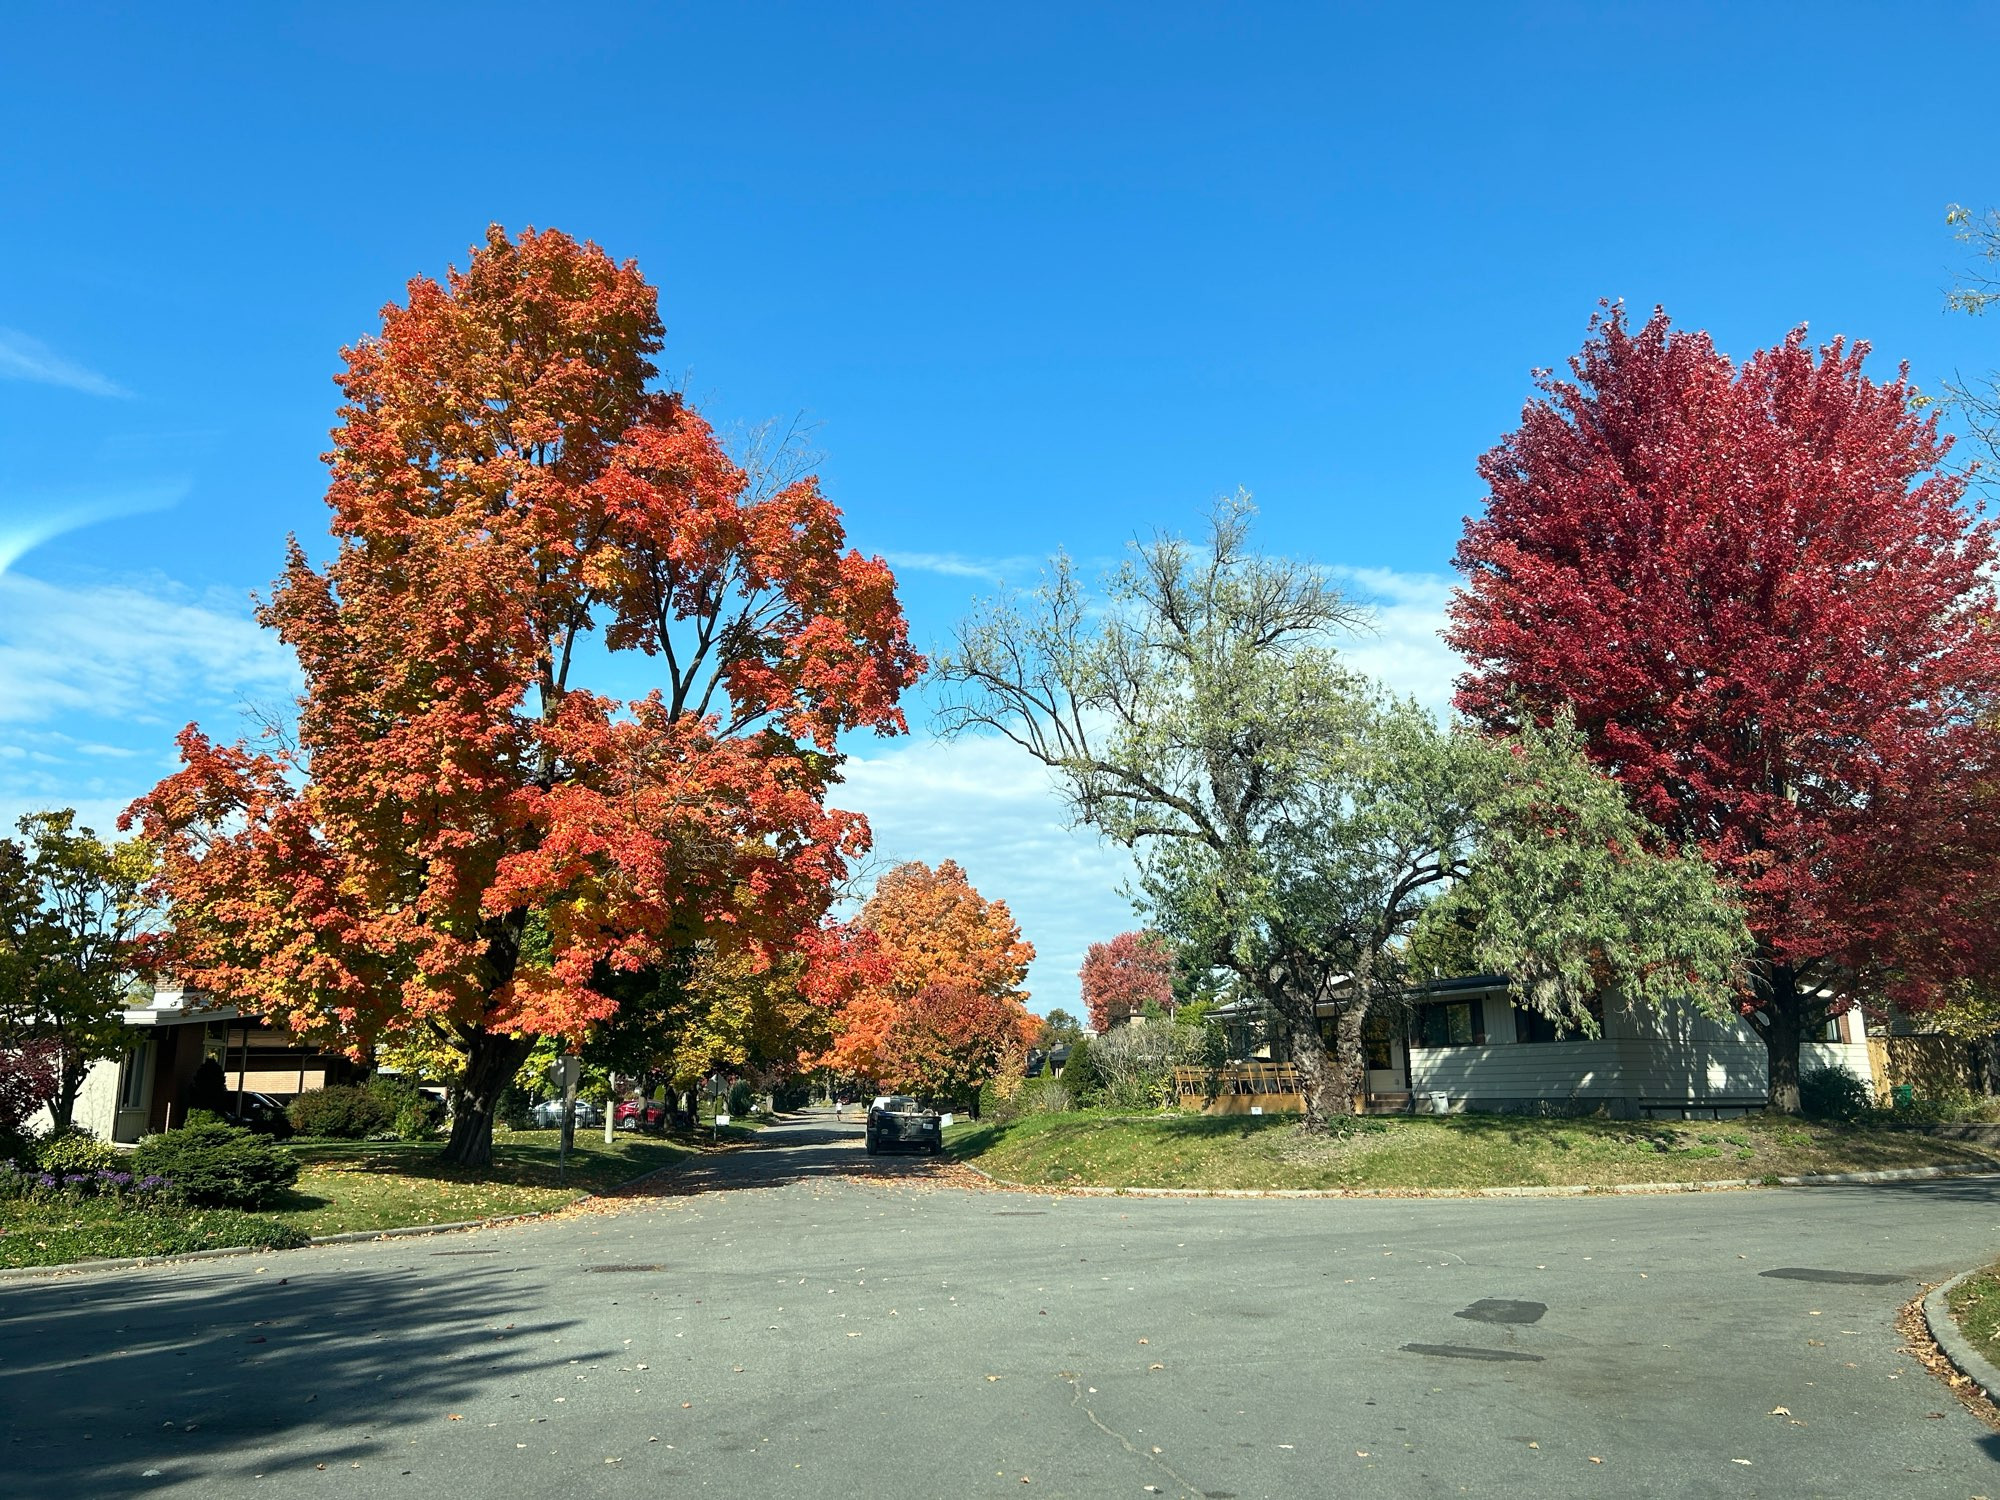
(897, 1122)
(637, 1114)
(262, 1113)
(549, 1113)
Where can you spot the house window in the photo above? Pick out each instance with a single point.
(1533, 1026)
(1831, 1033)
(1377, 1037)
(1458, 1023)
(132, 1077)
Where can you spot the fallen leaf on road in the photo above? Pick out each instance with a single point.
(455, 1417)
(1596, 1460)
(1155, 1367)
(1145, 1341)
(1779, 1411)
(1534, 1445)
(1743, 1461)
(992, 1377)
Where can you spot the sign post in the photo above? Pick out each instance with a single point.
(568, 1071)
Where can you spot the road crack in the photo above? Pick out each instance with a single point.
(1077, 1393)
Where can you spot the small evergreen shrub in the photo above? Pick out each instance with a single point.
(741, 1098)
(513, 1108)
(217, 1166)
(346, 1114)
(75, 1150)
(1832, 1094)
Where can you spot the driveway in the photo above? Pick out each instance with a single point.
(802, 1320)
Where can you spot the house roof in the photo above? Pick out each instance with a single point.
(178, 1007)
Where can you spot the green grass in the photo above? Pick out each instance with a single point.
(343, 1186)
(1456, 1151)
(1975, 1306)
(356, 1185)
(44, 1234)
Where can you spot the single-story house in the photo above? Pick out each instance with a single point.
(1457, 1044)
(145, 1089)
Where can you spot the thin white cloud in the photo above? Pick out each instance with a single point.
(989, 806)
(956, 565)
(1405, 651)
(101, 659)
(24, 527)
(23, 357)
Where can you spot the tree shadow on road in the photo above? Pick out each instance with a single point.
(201, 1375)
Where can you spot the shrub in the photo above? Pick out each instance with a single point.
(514, 1106)
(125, 1188)
(1080, 1075)
(75, 1151)
(1832, 1094)
(413, 1114)
(217, 1166)
(741, 1098)
(347, 1114)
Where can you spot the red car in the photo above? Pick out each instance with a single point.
(635, 1114)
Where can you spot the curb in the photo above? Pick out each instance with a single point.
(1716, 1184)
(1967, 1360)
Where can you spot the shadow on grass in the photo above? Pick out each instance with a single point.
(520, 1159)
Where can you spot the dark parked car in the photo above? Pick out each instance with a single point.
(897, 1122)
(261, 1113)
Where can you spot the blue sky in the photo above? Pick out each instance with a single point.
(1046, 277)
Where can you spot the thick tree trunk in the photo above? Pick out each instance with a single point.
(1782, 1022)
(1323, 1080)
(492, 1060)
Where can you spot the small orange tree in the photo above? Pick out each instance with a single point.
(935, 937)
(465, 838)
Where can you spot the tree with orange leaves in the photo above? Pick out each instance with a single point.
(464, 839)
(933, 935)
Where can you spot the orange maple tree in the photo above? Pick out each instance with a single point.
(463, 837)
(933, 935)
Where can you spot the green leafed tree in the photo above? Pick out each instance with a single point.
(1297, 828)
(72, 919)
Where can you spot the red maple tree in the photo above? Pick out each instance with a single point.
(463, 836)
(1762, 599)
(1121, 977)
(946, 1040)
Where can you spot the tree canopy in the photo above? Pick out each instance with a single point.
(464, 834)
(1756, 591)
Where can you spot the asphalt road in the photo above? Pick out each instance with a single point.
(790, 1325)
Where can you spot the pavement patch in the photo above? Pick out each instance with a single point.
(1836, 1278)
(1500, 1310)
(1465, 1351)
(626, 1268)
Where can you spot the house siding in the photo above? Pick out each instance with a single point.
(1665, 1060)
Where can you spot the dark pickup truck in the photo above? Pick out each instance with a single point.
(898, 1122)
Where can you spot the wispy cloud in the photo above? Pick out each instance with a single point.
(1405, 651)
(989, 806)
(956, 565)
(102, 661)
(24, 528)
(23, 357)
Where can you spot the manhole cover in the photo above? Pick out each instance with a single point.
(1499, 1310)
(1460, 1351)
(625, 1268)
(1838, 1278)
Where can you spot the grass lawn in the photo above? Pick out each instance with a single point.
(352, 1185)
(1453, 1151)
(343, 1186)
(1975, 1307)
(48, 1234)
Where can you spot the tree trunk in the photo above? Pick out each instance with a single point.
(492, 1060)
(69, 1084)
(1783, 1026)
(1348, 1056)
(1323, 1081)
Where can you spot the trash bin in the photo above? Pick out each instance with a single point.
(1437, 1104)
(1904, 1095)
